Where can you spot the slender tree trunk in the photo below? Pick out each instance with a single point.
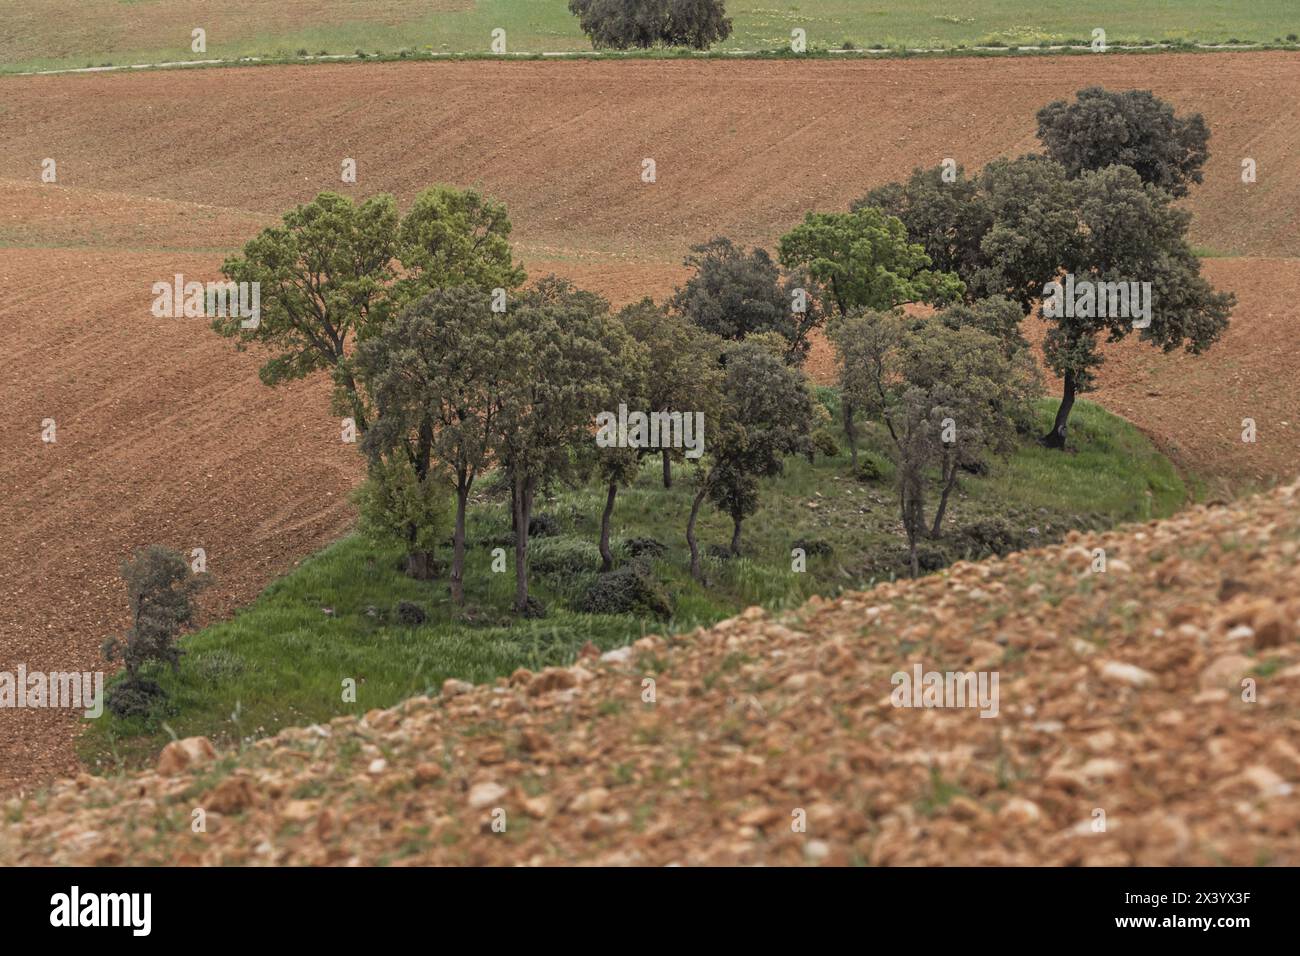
(1056, 437)
(696, 572)
(424, 449)
(523, 506)
(458, 543)
(607, 556)
(668, 469)
(735, 536)
(851, 433)
(949, 473)
(913, 509)
(354, 399)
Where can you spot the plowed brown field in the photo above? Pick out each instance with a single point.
(165, 433)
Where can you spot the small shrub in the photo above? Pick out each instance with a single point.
(161, 589)
(871, 468)
(988, 536)
(814, 547)
(824, 442)
(631, 589)
(645, 548)
(134, 698)
(410, 614)
(534, 608)
(543, 526)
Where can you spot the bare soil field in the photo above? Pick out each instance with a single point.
(166, 435)
(743, 148)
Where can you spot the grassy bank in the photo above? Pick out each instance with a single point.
(103, 32)
(282, 661)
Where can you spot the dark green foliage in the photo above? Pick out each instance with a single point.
(814, 547)
(824, 442)
(1132, 128)
(644, 547)
(160, 589)
(620, 24)
(631, 589)
(134, 697)
(543, 526)
(410, 613)
(734, 294)
(871, 468)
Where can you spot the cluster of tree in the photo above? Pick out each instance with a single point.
(949, 389)
(1097, 205)
(620, 24)
(448, 367)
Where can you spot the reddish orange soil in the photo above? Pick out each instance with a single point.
(166, 435)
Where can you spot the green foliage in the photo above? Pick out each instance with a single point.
(564, 555)
(327, 277)
(395, 505)
(734, 294)
(863, 259)
(631, 589)
(1132, 128)
(620, 24)
(1098, 207)
(323, 274)
(453, 237)
(160, 590)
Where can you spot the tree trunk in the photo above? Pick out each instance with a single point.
(354, 399)
(458, 545)
(735, 536)
(417, 561)
(949, 474)
(607, 556)
(668, 470)
(913, 508)
(1056, 437)
(690, 533)
(417, 565)
(424, 449)
(523, 506)
(851, 433)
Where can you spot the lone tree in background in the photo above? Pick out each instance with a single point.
(327, 277)
(734, 294)
(161, 589)
(434, 372)
(1133, 128)
(621, 24)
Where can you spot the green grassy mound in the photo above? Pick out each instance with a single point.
(349, 613)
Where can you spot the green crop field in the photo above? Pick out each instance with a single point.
(54, 34)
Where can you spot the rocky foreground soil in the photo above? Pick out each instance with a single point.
(1148, 713)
